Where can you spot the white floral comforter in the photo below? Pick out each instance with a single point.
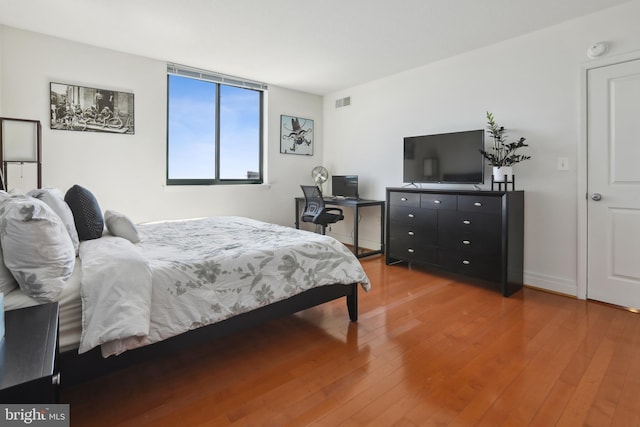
(187, 274)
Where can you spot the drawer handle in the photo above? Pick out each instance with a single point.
(55, 380)
(466, 222)
(478, 204)
(404, 199)
(411, 233)
(466, 242)
(437, 202)
(411, 216)
(410, 250)
(466, 262)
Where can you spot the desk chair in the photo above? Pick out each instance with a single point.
(315, 211)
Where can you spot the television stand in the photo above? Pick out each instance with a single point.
(479, 234)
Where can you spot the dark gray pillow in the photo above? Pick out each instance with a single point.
(86, 213)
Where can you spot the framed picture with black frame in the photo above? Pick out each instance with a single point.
(87, 109)
(296, 135)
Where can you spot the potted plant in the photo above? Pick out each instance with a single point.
(502, 155)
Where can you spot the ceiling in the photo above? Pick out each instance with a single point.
(316, 46)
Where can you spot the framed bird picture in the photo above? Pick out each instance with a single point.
(296, 135)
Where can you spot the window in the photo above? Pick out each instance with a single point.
(214, 128)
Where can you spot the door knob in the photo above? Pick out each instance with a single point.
(596, 197)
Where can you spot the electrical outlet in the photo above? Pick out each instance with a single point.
(563, 163)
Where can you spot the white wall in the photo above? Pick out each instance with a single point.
(127, 172)
(532, 84)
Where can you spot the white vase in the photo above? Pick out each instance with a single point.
(500, 172)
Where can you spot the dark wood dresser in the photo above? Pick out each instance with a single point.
(479, 234)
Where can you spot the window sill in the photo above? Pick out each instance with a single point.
(216, 187)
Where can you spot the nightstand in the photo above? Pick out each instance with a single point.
(28, 370)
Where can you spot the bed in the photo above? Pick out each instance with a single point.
(136, 291)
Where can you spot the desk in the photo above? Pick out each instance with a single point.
(355, 204)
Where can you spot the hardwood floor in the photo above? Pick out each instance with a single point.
(427, 350)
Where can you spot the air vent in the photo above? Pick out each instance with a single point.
(343, 102)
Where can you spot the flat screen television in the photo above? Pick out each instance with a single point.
(344, 186)
(446, 158)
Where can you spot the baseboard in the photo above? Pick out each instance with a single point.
(551, 283)
(544, 282)
(348, 240)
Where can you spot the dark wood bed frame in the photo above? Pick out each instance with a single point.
(75, 368)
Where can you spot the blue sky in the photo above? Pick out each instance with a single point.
(192, 130)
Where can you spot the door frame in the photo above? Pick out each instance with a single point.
(583, 173)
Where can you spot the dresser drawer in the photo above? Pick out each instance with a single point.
(470, 223)
(483, 244)
(413, 216)
(413, 235)
(404, 199)
(479, 203)
(419, 254)
(485, 267)
(438, 201)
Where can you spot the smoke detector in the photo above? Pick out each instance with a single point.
(596, 50)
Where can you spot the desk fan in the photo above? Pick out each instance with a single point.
(320, 175)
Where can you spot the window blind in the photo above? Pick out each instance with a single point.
(182, 70)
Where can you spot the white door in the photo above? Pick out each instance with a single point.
(613, 213)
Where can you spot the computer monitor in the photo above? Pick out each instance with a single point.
(345, 186)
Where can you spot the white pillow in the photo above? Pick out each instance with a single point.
(37, 248)
(120, 225)
(7, 281)
(55, 199)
